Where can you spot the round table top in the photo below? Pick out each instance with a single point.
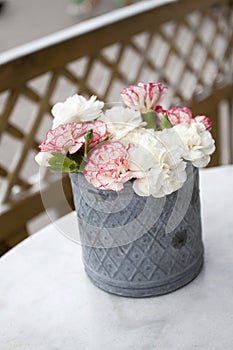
(47, 301)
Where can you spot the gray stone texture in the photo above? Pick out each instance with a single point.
(140, 246)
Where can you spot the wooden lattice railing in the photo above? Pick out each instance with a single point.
(186, 44)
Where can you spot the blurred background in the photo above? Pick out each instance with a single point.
(22, 24)
(22, 21)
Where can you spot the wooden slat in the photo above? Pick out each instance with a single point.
(56, 56)
(30, 206)
(3, 172)
(31, 94)
(9, 106)
(28, 139)
(17, 236)
(114, 71)
(230, 101)
(15, 132)
(18, 134)
(4, 247)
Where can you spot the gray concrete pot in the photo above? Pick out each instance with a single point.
(139, 246)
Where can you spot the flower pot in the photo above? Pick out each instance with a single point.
(139, 246)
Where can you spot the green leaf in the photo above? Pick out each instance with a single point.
(164, 122)
(150, 118)
(61, 162)
(78, 158)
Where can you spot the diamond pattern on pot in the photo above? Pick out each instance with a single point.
(153, 258)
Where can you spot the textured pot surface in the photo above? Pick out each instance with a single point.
(140, 246)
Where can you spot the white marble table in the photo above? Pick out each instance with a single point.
(48, 303)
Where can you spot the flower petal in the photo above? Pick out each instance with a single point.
(107, 167)
(76, 109)
(143, 97)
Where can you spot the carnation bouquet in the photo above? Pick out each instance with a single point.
(136, 141)
(134, 174)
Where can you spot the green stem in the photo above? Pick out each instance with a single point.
(87, 137)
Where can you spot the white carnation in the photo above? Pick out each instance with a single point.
(121, 120)
(76, 109)
(197, 143)
(141, 136)
(42, 158)
(159, 170)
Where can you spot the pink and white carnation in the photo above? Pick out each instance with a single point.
(197, 143)
(141, 141)
(121, 120)
(143, 97)
(204, 120)
(108, 167)
(177, 115)
(71, 137)
(76, 109)
(160, 111)
(99, 132)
